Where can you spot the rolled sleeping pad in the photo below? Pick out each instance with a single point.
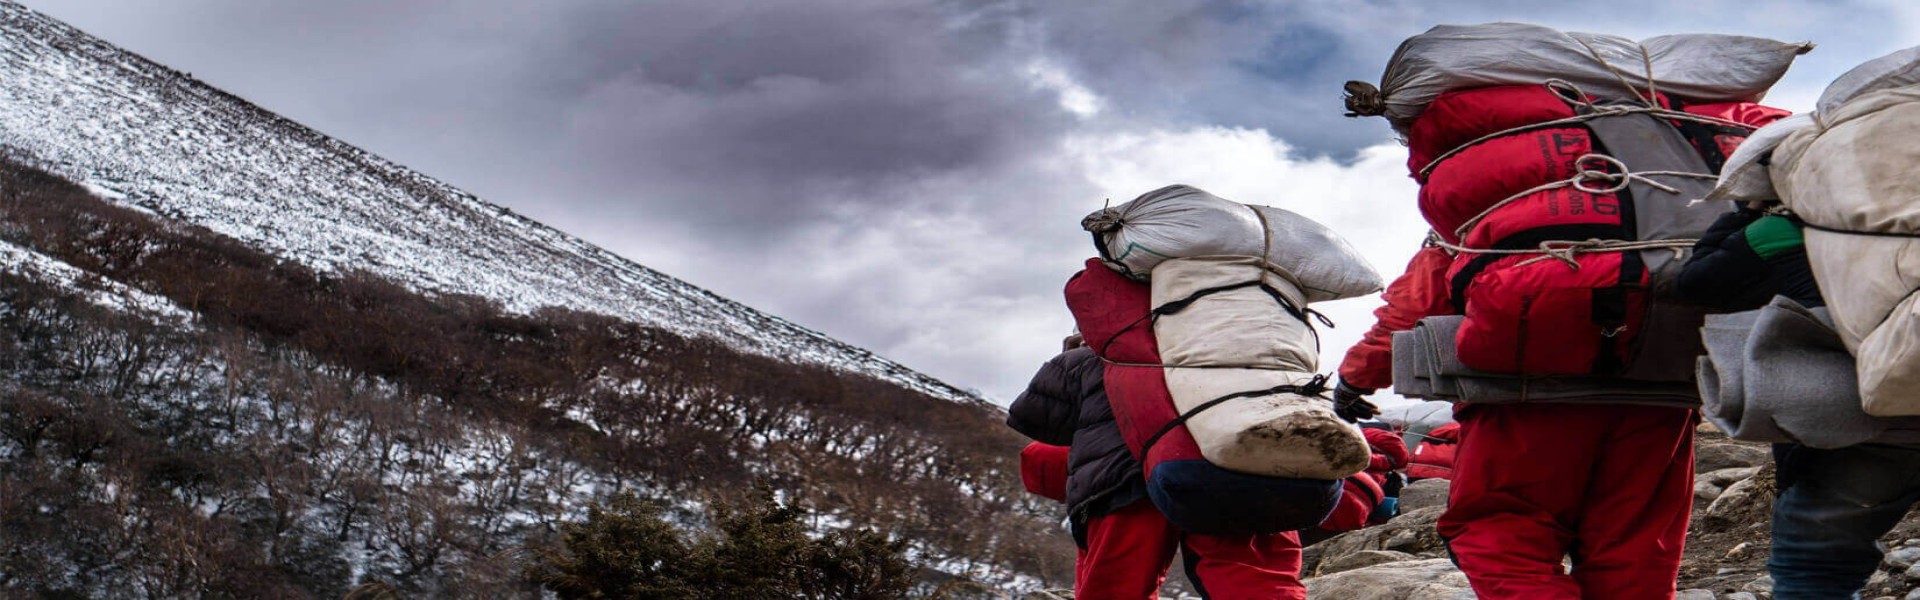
(1043, 470)
(1192, 493)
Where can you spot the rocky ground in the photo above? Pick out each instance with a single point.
(1727, 545)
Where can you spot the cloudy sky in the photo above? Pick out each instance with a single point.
(906, 175)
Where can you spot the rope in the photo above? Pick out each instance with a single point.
(1257, 367)
(1566, 250)
(1600, 111)
(1305, 315)
(1652, 99)
(1313, 387)
(1364, 100)
(1886, 234)
(1266, 236)
(1615, 181)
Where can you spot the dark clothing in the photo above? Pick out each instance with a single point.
(1827, 525)
(1834, 505)
(1066, 405)
(1745, 259)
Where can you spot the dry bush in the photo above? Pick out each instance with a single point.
(311, 415)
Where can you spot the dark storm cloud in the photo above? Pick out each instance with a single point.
(749, 102)
(770, 100)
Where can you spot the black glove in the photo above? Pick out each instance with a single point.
(1350, 403)
(1395, 482)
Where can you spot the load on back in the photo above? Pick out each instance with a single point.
(1564, 172)
(1848, 172)
(1212, 361)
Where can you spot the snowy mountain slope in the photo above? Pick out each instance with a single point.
(157, 140)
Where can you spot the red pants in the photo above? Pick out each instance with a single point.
(1609, 485)
(1128, 551)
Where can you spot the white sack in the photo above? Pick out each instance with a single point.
(1243, 340)
(1179, 221)
(1746, 178)
(1700, 67)
(1896, 70)
(1854, 171)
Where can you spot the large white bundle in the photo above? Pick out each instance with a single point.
(1240, 340)
(1853, 171)
(1700, 67)
(1180, 221)
(1897, 70)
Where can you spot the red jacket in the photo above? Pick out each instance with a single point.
(1043, 470)
(1419, 293)
(1433, 458)
(1389, 453)
(1458, 190)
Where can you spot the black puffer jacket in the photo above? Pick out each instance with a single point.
(1745, 259)
(1066, 405)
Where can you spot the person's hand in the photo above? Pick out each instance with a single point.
(1350, 403)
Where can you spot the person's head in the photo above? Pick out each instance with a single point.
(1072, 341)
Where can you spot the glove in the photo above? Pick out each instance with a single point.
(1350, 403)
(1389, 507)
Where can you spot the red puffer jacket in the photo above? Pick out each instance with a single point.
(1420, 292)
(1433, 457)
(1487, 160)
(1043, 470)
(1389, 453)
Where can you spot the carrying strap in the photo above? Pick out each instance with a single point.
(1305, 315)
(1885, 234)
(1313, 387)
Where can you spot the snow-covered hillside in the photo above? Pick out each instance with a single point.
(160, 141)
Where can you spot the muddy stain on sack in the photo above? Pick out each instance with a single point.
(1316, 438)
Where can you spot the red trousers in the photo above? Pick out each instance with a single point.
(1610, 486)
(1128, 551)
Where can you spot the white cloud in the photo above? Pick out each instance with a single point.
(1074, 97)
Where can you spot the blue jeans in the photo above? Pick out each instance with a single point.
(1828, 522)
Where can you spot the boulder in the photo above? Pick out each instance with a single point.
(1748, 501)
(1709, 485)
(1713, 457)
(1904, 557)
(1695, 594)
(1424, 493)
(1361, 560)
(1429, 579)
(1411, 532)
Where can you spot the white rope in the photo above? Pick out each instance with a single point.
(1615, 181)
(1652, 99)
(1566, 251)
(1600, 111)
